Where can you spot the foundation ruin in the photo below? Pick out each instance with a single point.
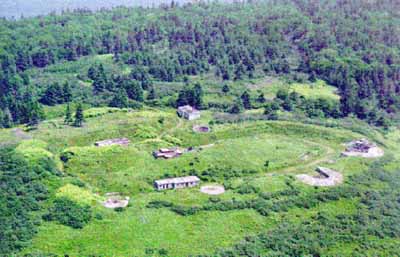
(201, 129)
(115, 200)
(362, 148)
(212, 189)
(168, 153)
(327, 177)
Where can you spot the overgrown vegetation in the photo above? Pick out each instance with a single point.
(377, 217)
(21, 192)
(69, 213)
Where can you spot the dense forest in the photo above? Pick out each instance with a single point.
(353, 45)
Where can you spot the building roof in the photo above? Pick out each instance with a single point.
(177, 180)
(188, 109)
(114, 141)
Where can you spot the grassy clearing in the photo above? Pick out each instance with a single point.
(131, 171)
(318, 89)
(132, 232)
(69, 71)
(77, 194)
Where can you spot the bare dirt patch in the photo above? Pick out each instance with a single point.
(325, 178)
(212, 189)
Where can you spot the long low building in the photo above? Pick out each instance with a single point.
(173, 183)
(114, 141)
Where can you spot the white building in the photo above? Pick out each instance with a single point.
(173, 183)
(188, 112)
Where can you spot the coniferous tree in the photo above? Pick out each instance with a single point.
(79, 118)
(246, 100)
(197, 96)
(225, 89)
(237, 106)
(92, 73)
(100, 80)
(67, 92)
(68, 114)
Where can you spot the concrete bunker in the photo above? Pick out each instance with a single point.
(362, 148)
(326, 177)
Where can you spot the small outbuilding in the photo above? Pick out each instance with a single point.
(175, 183)
(188, 112)
(168, 153)
(114, 141)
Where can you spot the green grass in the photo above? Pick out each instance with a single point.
(131, 171)
(318, 89)
(72, 71)
(130, 233)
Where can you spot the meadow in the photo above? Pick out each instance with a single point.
(90, 172)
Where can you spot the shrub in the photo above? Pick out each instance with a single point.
(69, 213)
(247, 189)
(159, 204)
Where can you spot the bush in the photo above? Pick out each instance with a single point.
(69, 213)
(159, 204)
(247, 189)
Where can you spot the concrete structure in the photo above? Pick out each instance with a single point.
(362, 148)
(115, 200)
(188, 112)
(212, 189)
(175, 183)
(201, 129)
(327, 177)
(115, 141)
(168, 153)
